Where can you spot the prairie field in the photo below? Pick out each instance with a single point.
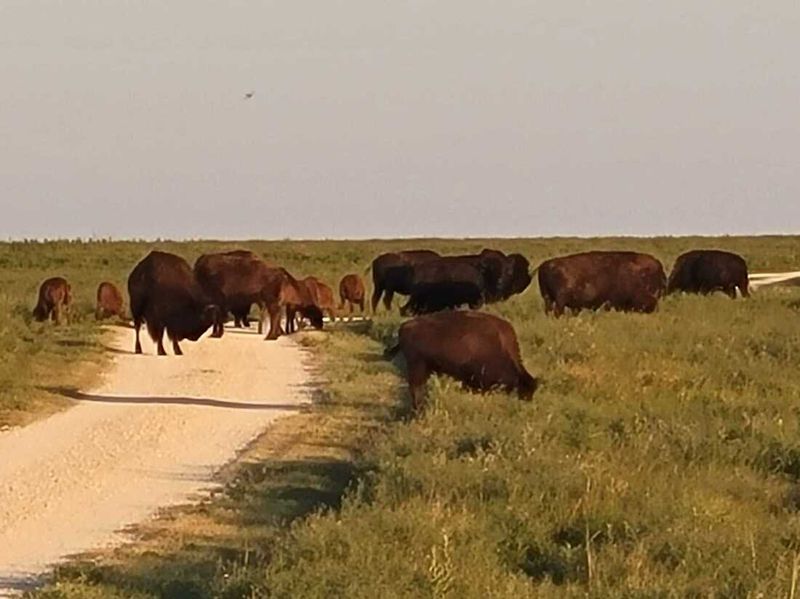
(660, 456)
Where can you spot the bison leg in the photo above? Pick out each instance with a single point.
(418, 374)
(176, 348)
(158, 337)
(387, 299)
(219, 325)
(137, 324)
(744, 287)
(376, 297)
(274, 322)
(731, 291)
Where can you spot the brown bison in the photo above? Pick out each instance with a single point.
(471, 279)
(109, 301)
(351, 291)
(322, 295)
(55, 298)
(165, 294)
(626, 281)
(227, 278)
(478, 349)
(296, 297)
(443, 284)
(239, 279)
(390, 274)
(706, 271)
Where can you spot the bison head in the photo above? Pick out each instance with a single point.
(520, 274)
(314, 314)
(526, 386)
(192, 325)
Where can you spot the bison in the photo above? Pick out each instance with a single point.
(626, 281)
(165, 294)
(706, 271)
(351, 291)
(471, 279)
(55, 298)
(322, 295)
(109, 301)
(478, 349)
(297, 298)
(227, 278)
(444, 283)
(390, 274)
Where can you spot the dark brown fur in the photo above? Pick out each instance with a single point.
(352, 292)
(445, 283)
(231, 279)
(706, 271)
(165, 294)
(478, 349)
(109, 301)
(626, 281)
(55, 299)
(471, 279)
(390, 274)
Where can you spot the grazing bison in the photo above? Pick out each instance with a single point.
(55, 298)
(626, 281)
(297, 298)
(478, 349)
(351, 291)
(165, 294)
(471, 279)
(109, 301)
(227, 278)
(706, 271)
(391, 274)
(445, 283)
(322, 295)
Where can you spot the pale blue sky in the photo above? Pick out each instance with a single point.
(403, 118)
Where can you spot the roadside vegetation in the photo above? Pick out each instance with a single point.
(660, 456)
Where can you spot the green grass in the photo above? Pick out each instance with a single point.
(660, 457)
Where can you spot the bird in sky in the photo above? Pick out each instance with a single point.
(249, 95)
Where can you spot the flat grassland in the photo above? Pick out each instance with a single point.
(660, 457)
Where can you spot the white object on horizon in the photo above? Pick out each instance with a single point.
(759, 279)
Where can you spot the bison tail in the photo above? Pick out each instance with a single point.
(390, 352)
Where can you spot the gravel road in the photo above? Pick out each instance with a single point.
(152, 434)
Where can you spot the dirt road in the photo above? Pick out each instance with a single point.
(152, 434)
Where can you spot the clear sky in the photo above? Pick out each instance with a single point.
(398, 118)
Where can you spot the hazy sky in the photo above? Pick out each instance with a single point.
(398, 118)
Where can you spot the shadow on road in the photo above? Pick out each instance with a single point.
(77, 395)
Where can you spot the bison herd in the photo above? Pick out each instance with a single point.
(168, 296)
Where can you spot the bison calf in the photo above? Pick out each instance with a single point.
(706, 271)
(55, 297)
(478, 349)
(109, 301)
(352, 292)
(322, 295)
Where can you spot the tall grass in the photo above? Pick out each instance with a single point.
(660, 456)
